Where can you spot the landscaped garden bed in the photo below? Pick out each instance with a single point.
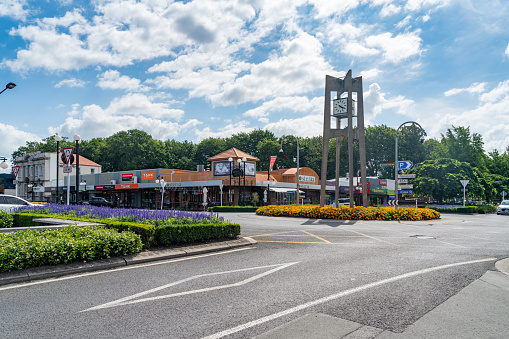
(150, 228)
(347, 213)
(469, 209)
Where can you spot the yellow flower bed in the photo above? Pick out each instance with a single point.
(347, 213)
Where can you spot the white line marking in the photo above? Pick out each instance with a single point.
(162, 262)
(126, 300)
(336, 296)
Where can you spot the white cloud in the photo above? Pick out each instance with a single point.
(12, 139)
(375, 102)
(14, 8)
(398, 48)
(478, 87)
(132, 111)
(389, 9)
(501, 91)
(507, 50)
(307, 126)
(415, 5)
(370, 74)
(326, 8)
(112, 79)
(223, 132)
(73, 82)
(294, 104)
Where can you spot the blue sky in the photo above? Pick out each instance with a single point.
(188, 70)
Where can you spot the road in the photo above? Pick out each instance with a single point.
(381, 274)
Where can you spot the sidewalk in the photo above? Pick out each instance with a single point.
(46, 272)
(480, 310)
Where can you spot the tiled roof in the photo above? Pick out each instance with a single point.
(234, 154)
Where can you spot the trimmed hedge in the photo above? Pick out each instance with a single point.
(232, 209)
(482, 209)
(33, 248)
(183, 234)
(5, 219)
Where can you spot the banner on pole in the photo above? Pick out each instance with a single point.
(272, 161)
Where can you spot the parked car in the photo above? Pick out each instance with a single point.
(503, 208)
(10, 203)
(99, 201)
(343, 202)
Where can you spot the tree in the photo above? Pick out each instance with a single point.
(458, 143)
(440, 179)
(180, 154)
(48, 145)
(380, 149)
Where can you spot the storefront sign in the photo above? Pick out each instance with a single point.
(382, 182)
(127, 176)
(307, 178)
(378, 191)
(126, 186)
(105, 187)
(38, 189)
(148, 176)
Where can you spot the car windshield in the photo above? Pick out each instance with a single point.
(505, 202)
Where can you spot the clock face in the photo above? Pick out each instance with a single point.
(340, 106)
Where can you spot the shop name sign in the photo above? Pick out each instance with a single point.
(127, 176)
(306, 178)
(148, 176)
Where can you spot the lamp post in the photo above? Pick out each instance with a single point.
(238, 166)
(230, 160)
(78, 141)
(396, 156)
(10, 85)
(4, 163)
(244, 175)
(163, 185)
(281, 151)
(57, 139)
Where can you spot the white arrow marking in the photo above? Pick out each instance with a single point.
(129, 300)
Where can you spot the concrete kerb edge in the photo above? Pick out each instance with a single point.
(503, 266)
(45, 272)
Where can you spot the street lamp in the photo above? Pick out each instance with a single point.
(57, 138)
(396, 156)
(163, 185)
(10, 85)
(78, 141)
(230, 160)
(244, 175)
(4, 163)
(298, 176)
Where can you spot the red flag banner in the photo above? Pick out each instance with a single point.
(272, 161)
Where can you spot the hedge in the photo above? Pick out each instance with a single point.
(482, 209)
(232, 209)
(147, 232)
(181, 234)
(33, 248)
(6, 219)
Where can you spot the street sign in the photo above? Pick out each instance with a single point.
(387, 164)
(67, 169)
(405, 191)
(302, 196)
(464, 182)
(393, 203)
(15, 171)
(403, 181)
(67, 152)
(406, 164)
(407, 176)
(405, 187)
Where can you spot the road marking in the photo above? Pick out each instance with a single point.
(162, 262)
(129, 300)
(322, 239)
(368, 236)
(336, 296)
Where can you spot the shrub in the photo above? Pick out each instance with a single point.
(181, 234)
(33, 248)
(6, 219)
(233, 208)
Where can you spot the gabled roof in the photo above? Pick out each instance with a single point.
(234, 154)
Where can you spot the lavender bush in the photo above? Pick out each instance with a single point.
(154, 217)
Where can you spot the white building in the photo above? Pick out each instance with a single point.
(37, 176)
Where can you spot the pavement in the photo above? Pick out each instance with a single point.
(46, 272)
(480, 310)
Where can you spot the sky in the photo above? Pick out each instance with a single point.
(189, 70)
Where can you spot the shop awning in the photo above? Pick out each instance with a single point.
(284, 190)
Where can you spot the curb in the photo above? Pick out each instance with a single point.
(503, 266)
(45, 272)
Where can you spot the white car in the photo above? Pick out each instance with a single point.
(503, 208)
(343, 202)
(10, 203)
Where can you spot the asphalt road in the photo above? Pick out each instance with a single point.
(382, 274)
